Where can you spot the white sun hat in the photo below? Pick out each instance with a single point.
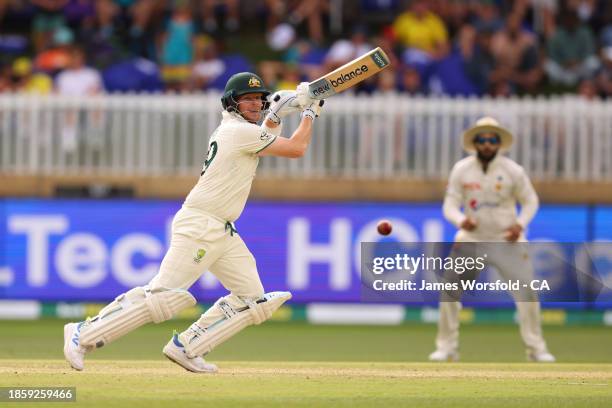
(485, 125)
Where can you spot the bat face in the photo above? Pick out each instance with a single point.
(349, 75)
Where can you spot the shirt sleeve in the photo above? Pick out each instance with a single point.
(276, 131)
(453, 200)
(527, 197)
(251, 138)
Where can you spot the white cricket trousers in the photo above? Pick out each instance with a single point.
(512, 262)
(203, 242)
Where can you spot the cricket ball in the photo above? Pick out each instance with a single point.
(384, 227)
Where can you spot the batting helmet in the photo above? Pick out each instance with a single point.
(241, 84)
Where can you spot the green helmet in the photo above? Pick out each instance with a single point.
(241, 84)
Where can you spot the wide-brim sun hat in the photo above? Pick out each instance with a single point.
(486, 124)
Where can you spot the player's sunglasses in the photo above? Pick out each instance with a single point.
(495, 140)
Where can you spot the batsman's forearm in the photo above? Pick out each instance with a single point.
(272, 127)
(301, 137)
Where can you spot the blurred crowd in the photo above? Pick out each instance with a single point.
(453, 47)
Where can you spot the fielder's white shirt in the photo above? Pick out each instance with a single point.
(229, 169)
(489, 198)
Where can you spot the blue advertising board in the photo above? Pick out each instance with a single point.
(73, 250)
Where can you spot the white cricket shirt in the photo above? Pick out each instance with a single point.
(489, 198)
(230, 167)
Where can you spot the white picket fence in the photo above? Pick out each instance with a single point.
(382, 136)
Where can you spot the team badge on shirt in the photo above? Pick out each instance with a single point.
(265, 135)
(498, 186)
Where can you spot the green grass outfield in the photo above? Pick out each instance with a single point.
(296, 364)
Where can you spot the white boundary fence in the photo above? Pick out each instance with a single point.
(381, 137)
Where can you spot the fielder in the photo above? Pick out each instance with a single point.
(204, 236)
(488, 185)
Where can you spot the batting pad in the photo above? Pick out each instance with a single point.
(200, 341)
(131, 310)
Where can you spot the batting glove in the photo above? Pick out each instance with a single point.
(283, 103)
(302, 97)
(313, 110)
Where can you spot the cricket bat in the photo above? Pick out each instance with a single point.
(349, 75)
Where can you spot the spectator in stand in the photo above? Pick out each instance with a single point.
(298, 11)
(231, 10)
(177, 47)
(516, 56)
(410, 81)
(29, 81)
(6, 79)
(48, 18)
(544, 15)
(57, 57)
(4, 5)
(422, 34)
(290, 77)
(453, 13)
(587, 90)
(77, 80)
(76, 12)
(308, 57)
(138, 15)
(571, 52)
(101, 35)
(604, 77)
(486, 13)
(478, 60)
(207, 66)
(343, 51)
(387, 81)
(584, 9)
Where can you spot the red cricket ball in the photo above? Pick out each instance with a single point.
(384, 227)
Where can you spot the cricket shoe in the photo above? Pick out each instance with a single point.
(441, 356)
(541, 357)
(175, 352)
(73, 351)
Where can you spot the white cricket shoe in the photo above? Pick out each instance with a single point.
(441, 356)
(73, 351)
(175, 352)
(541, 357)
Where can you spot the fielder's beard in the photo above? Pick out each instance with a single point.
(485, 159)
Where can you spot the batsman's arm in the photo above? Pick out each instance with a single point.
(293, 147)
(296, 145)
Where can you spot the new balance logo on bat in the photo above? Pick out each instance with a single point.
(349, 76)
(322, 86)
(322, 89)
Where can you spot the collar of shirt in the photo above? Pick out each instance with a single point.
(229, 116)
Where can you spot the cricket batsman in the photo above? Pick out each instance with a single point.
(488, 186)
(204, 236)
